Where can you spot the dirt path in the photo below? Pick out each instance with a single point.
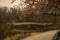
(44, 36)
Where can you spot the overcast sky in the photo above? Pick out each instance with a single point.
(5, 2)
(8, 2)
(11, 3)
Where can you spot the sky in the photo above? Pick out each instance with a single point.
(5, 2)
(8, 3)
